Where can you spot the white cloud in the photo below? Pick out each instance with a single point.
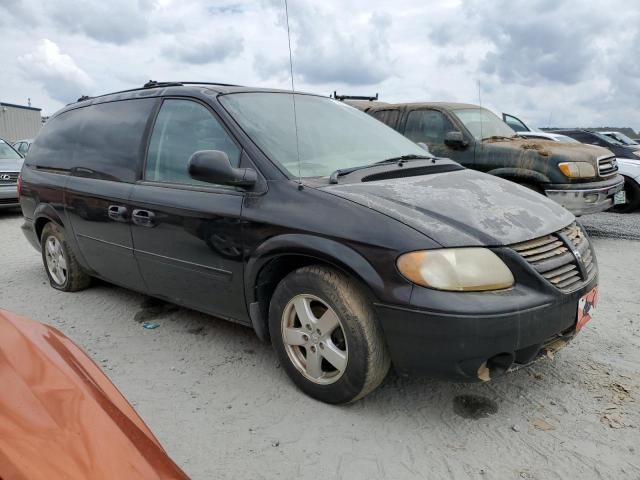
(56, 71)
(113, 21)
(330, 49)
(537, 59)
(200, 51)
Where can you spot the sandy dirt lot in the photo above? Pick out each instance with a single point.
(219, 403)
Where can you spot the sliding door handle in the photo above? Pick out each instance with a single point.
(143, 218)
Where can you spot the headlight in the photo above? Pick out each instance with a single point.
(636, 153)
(577, 169)
(456, 269)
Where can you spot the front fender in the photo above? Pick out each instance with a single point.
(324, 249)
(520, 174)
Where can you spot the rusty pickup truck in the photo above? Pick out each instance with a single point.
(582, 178)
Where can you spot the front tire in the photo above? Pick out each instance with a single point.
(60, 263)
(326, 336)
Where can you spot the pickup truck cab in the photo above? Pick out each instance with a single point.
(581, 178)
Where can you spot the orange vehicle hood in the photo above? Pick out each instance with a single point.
(61, 417)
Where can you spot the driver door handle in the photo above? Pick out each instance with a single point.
(143, 218)
(117, 213)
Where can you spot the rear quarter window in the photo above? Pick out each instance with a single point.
(111, 142)
(388, 117)
(104, 141)
(53, 147)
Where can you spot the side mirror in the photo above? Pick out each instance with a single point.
(213, 166)
(455, 139)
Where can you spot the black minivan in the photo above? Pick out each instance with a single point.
(342, 241)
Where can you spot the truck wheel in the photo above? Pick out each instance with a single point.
(59, 261)
(632, 190)
(326, 335)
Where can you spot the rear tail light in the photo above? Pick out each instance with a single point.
(19, 182)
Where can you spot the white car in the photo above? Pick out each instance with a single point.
(10, 165)
(630, 170)
(556, 137)
(22, 146)
(523, 130)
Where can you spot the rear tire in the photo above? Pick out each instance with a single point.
(632, 190)
(60, 263)
(325, 333)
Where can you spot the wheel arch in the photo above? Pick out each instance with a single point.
(520, 174)
(42, 215)
(279, 256)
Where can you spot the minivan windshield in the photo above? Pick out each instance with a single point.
(483, 124)
(7, 152)
(622, 138)
(331, 135)
(607, 138)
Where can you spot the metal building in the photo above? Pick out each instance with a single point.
(19, 121)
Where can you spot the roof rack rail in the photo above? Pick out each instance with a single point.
(154, 84)
(211, 83)
(353, 97)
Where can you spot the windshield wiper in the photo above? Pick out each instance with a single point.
(333, 178)
(403, 158)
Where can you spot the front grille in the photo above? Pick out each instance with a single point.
(8, 177)
(564, 258)
(607, 166)
(8, 201)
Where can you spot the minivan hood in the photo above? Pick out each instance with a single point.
(554, 151)
(462, 208)
(11, 165)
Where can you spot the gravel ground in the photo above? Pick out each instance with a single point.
(219, 403)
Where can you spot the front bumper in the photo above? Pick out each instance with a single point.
(476, 336)
(585, 198)
(9, 196)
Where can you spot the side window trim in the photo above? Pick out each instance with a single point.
(147, 143)
(148, 131)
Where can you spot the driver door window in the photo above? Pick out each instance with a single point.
(428, 126)
(182, 128)
(515, 123)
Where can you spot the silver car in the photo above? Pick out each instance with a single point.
(22, 146)
(10, 165)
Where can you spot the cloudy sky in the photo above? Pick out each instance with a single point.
(548, 61)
